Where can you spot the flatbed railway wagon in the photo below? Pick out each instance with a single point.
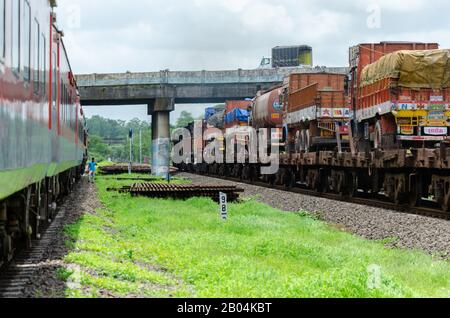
(42, 128)
(410, 163)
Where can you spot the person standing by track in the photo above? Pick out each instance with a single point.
(92, 170)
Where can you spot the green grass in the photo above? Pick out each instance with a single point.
(104, 163)
(166, 248)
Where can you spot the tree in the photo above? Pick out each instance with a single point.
(98, 149)
(102, 130)
(185, 119)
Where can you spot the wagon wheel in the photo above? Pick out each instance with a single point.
(290, 179)
(415, 193)
(317, 184)
(399, 196)
(271, 179)
(312, 182)
(285, 178)
(352, 184)
(341, 189)
(324, 181)
(445, 205)
(240, 172)
(246, 173)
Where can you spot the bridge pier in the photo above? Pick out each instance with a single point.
(160, 112)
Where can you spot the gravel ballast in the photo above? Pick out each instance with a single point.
(401, 229)
(45, 283)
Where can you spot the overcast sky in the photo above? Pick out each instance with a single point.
(152, 35)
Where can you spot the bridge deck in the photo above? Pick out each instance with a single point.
(184, 87)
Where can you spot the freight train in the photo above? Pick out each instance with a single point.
(42, 127)
(382, 129)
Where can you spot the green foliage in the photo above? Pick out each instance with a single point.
(109, 139)
(185, 119)
(98, 149)
(146, 247)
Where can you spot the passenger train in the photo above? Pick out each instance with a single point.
(43, 138)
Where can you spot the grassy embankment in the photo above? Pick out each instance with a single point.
(165, 248)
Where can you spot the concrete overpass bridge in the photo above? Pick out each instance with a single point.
(183, 87)
(162, 90)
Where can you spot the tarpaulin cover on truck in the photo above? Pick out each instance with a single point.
(237, 114)
(217, 120)
(411, 69)
(209, 112)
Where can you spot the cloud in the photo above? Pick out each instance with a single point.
(151, 35)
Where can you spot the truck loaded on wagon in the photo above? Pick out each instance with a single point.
(393, 85)
(316, 111)
(408, 93)
(236, 134)
(381, 130)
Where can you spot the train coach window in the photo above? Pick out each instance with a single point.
(43, 64)
(2, 28)
(27, 40)
(54, 80)
(37, 59)
(15, 41)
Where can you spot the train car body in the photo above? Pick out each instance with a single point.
(42, 127)
(316, 107)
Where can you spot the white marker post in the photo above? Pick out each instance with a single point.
(223, 206)
(131, 151)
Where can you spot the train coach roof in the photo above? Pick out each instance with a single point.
(412, 69)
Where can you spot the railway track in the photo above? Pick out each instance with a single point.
(179, 191)
(18, 274)
(359, 199)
